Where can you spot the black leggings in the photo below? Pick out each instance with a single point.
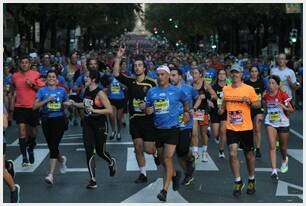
(53, 129)
(94, 137)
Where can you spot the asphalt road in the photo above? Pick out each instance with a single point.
(213, 180)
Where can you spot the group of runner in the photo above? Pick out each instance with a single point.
(169, 101)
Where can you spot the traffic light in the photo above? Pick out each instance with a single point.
(293, 36)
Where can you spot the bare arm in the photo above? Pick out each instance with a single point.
(116, 69)
(37, 104)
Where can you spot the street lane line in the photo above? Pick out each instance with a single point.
(77, 170)
(131, 163)
(76, 144)
(282, 189)
(296, 154)
(67, 138)
(264, 169)
(148, 194)
(206, 166)
(73, 135)
(39, 154)
(296, 133)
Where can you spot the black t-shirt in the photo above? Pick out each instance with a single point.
(136, 93)
(258, 86)
(219, 91)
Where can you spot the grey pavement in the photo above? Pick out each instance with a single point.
(213, 180)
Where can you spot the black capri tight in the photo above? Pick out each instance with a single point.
(53, 129)
(94, 137)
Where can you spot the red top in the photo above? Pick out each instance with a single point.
(25, 95)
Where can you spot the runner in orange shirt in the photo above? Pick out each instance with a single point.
(238, 100)
(26, 83)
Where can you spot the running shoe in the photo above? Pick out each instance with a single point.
(257, 153)
(141, 179)
(238, 186)
(25, 163)
(176, 180)
(205, 157)
(196, 155)
(251, 187)
(162, 196)
(10, 167)
(284, 167)
(187, 180)
(92, 185)
(112, 136)
(63, 166)
(190, 166)
(49, 179)
(15, 196)
(217, 140)
(112, 167)
(274, 177)
(156, 158)
(118, 137)
(221, 154)
(31, 155)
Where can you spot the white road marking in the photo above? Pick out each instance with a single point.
(296, 133)
(206, 166)
(76, 143)
(77, 170)
(131, 163)
(149, 193)
(39, 155)
(264, 169)
(296, 154)
(282, 189)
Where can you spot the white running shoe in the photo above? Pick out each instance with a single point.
(49, 179)
(196, 155)
(205, 157)
(63, 166)
(221, 154)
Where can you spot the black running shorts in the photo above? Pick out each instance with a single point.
(243, 138)
(167, 136)
(143, 127)
(26, 116)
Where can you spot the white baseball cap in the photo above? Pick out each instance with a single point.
(163, 68)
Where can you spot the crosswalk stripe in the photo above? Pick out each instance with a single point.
(39, 154)
(131, 163)
(296, 154)
(206, 166)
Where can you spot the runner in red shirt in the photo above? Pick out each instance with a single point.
(26, 83)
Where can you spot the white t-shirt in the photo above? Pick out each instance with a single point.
(283, 74)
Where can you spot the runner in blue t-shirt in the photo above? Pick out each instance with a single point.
(116, 95)
(186, 159)
(163, 101)
(52, 99)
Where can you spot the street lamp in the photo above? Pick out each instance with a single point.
(170, 19)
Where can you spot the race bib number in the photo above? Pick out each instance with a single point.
(54, 106)
(181, 122)
(236, 117)
(161, 106)
(88, 101)
(274, 117)
(136, 103)
(198, 115)
(115, 89)
(208, 79)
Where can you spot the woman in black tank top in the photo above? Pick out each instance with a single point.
(96, 106)
(201, 117)
(257, 114)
